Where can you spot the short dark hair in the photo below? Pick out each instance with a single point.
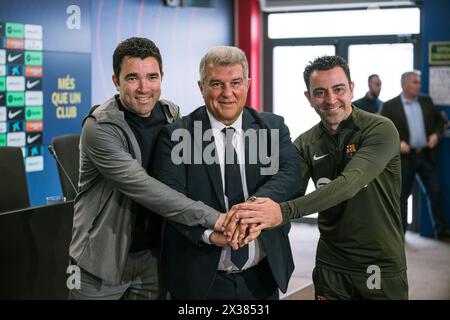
(325, 63)
(372, 76)
(135, 47)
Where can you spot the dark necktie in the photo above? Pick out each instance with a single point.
(233, 189)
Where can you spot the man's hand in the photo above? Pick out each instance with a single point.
(218, 239)
(432, 141)
(250, 236)
(263, 213)
(219, 226)
(404, 147)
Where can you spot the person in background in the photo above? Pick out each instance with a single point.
(420, 126)
(353, 158)
(199, 263)
(370, 102)
(118, 209)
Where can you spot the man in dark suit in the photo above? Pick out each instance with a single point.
(223, 137)
(420, 125)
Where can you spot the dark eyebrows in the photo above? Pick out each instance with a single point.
(339, 85)
(136, 75)
(129, 75)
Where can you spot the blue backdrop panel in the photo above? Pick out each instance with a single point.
(72, 70)
(51, 43)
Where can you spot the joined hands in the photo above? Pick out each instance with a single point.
(244, 222)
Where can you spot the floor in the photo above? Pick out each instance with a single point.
(428, 264)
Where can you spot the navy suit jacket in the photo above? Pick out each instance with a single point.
(189, 264)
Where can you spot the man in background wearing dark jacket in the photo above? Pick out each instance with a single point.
(420, 125)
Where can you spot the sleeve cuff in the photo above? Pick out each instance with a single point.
(205, 236)
(285, 212)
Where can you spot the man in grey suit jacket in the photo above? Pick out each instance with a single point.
(118, 209)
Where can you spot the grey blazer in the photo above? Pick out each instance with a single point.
(111, 179)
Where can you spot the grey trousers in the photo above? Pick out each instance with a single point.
(141, 280)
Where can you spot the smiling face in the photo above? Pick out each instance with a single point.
(224, 90)
(330, 94)
(139, 84)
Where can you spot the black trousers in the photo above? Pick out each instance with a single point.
(256, 283)
(421, 164)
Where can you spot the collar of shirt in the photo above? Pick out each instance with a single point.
(406, 101)
(217, 126)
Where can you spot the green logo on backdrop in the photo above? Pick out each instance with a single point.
(2, 83)
(34, 113)
(14, 30)
(15, 99)
(33, 58)
(2, 139)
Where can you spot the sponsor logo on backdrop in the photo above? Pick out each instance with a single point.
(15, 83)
(34, 138)
(15, 70)
(31, 44)
(2, 139)
(34, 98)
(21, 95)
(34, 164)
(16, 113)
(2, 128)
(33, 31)
(15, 126)
(15, 99)
(14, 56)
(2, 113)
(31, 71)
(15, 139)
(34, 151)
(34, 113)
(14, 30)
(34, 84)
(33, 58)
(12, 43)
(34, 126)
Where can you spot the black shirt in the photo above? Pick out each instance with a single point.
(369, 105)
(147, 228)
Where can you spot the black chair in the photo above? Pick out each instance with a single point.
(13, 180)
(67, 153)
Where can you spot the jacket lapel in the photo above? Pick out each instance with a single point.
(251, 169)
(403, 119)
(212, 169)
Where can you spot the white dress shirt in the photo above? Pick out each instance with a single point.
(256, 251)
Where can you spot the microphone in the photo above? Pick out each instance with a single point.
(53, 153)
